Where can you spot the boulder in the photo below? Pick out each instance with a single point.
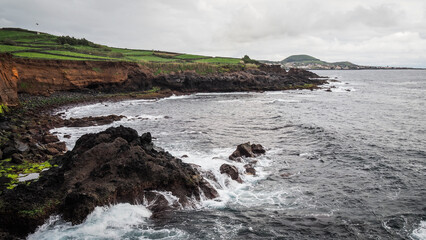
(21, 147)
(52, 151)
(91, 121)
(113, 166)
(250, 169)
(257, 149)
(247, 150)
(243, 150)
(8, 151)
(60, 146)
(231, 171)
(49, 138)
(146, 141)
(17, 158)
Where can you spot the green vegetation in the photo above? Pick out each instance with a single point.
(9, 48)
(96, 69)
(45, 56)
(153, 90)
(190, 56)
(300, 58)
(151, 58)
(200, 68)
(31, 44)
(220, 60)
(247, 59)
(306, 86)
(40, 209)
(74, 41)
(75, 54)
(309, 62)
(3, 108)
(14, 33)
(12, 171)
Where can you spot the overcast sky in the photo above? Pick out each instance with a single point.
(366, 32)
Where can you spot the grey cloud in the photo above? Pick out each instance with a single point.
(365, 32)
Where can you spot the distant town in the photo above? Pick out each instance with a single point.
(311, 63)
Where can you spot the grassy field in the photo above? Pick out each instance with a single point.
(10, 48)
(31, 44)
(220, 60)
(40, 55)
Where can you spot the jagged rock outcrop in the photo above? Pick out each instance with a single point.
(90, 121)
(231, 171)
(113, 166)
(266, 78)
(246, 150)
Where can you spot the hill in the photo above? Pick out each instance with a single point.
(300, 58)
(309, 62)
(31, 44)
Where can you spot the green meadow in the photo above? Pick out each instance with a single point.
(31, 44)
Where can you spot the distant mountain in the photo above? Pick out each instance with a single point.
(309, 62)
(300, 58)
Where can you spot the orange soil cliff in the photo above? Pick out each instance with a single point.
(8, 81)
(46, 76)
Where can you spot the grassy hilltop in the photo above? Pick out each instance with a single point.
(31, 44)
(309, 62)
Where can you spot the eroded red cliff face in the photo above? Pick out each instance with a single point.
(46, 76)
(8, 80)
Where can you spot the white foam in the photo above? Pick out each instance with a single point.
(223, 93)
(285, 101)
(274, 92)
(171, 199)
(174, 97)
(420, 232)
(230, 191)
(121, 221)
(339, 87)
(99, 109)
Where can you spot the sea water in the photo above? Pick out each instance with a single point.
(345, 164)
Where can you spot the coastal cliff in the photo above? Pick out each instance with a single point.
(43, 77)
(8, 80)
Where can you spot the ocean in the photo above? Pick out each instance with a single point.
(345, 164)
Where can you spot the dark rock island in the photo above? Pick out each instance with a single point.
(113, 166)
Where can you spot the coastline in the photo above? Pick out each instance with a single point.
(28, 146)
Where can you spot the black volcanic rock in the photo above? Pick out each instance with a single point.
(231, 171)
(113, 166)
(246, 150)
(264, 78)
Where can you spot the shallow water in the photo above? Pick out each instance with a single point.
(346, 164)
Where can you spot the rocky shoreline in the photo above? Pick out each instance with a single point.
(113, 166)
(78, 180)
(45, 77)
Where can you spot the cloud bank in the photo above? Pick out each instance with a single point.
(374, 32)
